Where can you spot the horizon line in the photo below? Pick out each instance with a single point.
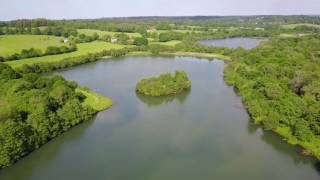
(164, 16)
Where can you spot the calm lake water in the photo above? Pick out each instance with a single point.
(246, 43)
(202, 134)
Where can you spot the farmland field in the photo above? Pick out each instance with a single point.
(90, 32)
(10, 44)
(83, 49)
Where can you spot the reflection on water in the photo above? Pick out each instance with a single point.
(51, 150)
(201, 134)
(157, 101)
(282, 146)
(317, 166)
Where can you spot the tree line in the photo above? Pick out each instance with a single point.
(34, 110)
(279, 83)
(32, 52)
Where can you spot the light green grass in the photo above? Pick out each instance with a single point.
(94, 100)
(83, 49)
(287, 35)
(291, 26)
(89, 32)
(10, 44)
(169, 43)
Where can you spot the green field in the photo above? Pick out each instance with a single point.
(89, 32)
(83, 49)
(10, 44)
(291, 26)
(95, 100)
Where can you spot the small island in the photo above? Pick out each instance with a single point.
(165, 84)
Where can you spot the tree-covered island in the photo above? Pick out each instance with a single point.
(165, 84)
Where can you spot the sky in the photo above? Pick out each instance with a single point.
(75, 9)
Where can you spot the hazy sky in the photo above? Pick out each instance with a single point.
(66, 9)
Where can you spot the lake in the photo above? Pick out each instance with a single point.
(202, 134)
(246, 43)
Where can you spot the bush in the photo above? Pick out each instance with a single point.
(272, 121)
(140, 41)
(29, 53)
(302, 131)
(69, 62)
(168, 36)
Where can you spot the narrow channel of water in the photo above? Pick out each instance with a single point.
(202, 134)
(246, 43)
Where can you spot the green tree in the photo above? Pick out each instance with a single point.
(140, 41)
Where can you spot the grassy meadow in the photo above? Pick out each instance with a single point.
(10, 44)
(83, 49)
(94, 100)
(89, 32)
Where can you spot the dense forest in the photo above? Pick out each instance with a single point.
(35, 109)
(165, 84)
(279, 83)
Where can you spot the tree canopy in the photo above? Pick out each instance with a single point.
(279, 82)
(165, 84)
(35, 109)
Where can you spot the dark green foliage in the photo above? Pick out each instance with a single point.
(140, 41)
(33, 110)
(51, 50)
(122, 38)
(7, 73)
(279, 82)
(25, 53)
(95, 36)
(302, 131)
(168, 36)
(82, 38)
(165, 84)
(72, 61)
(29, 53)
(271, 121)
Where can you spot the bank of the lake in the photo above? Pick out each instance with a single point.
(164, 138)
